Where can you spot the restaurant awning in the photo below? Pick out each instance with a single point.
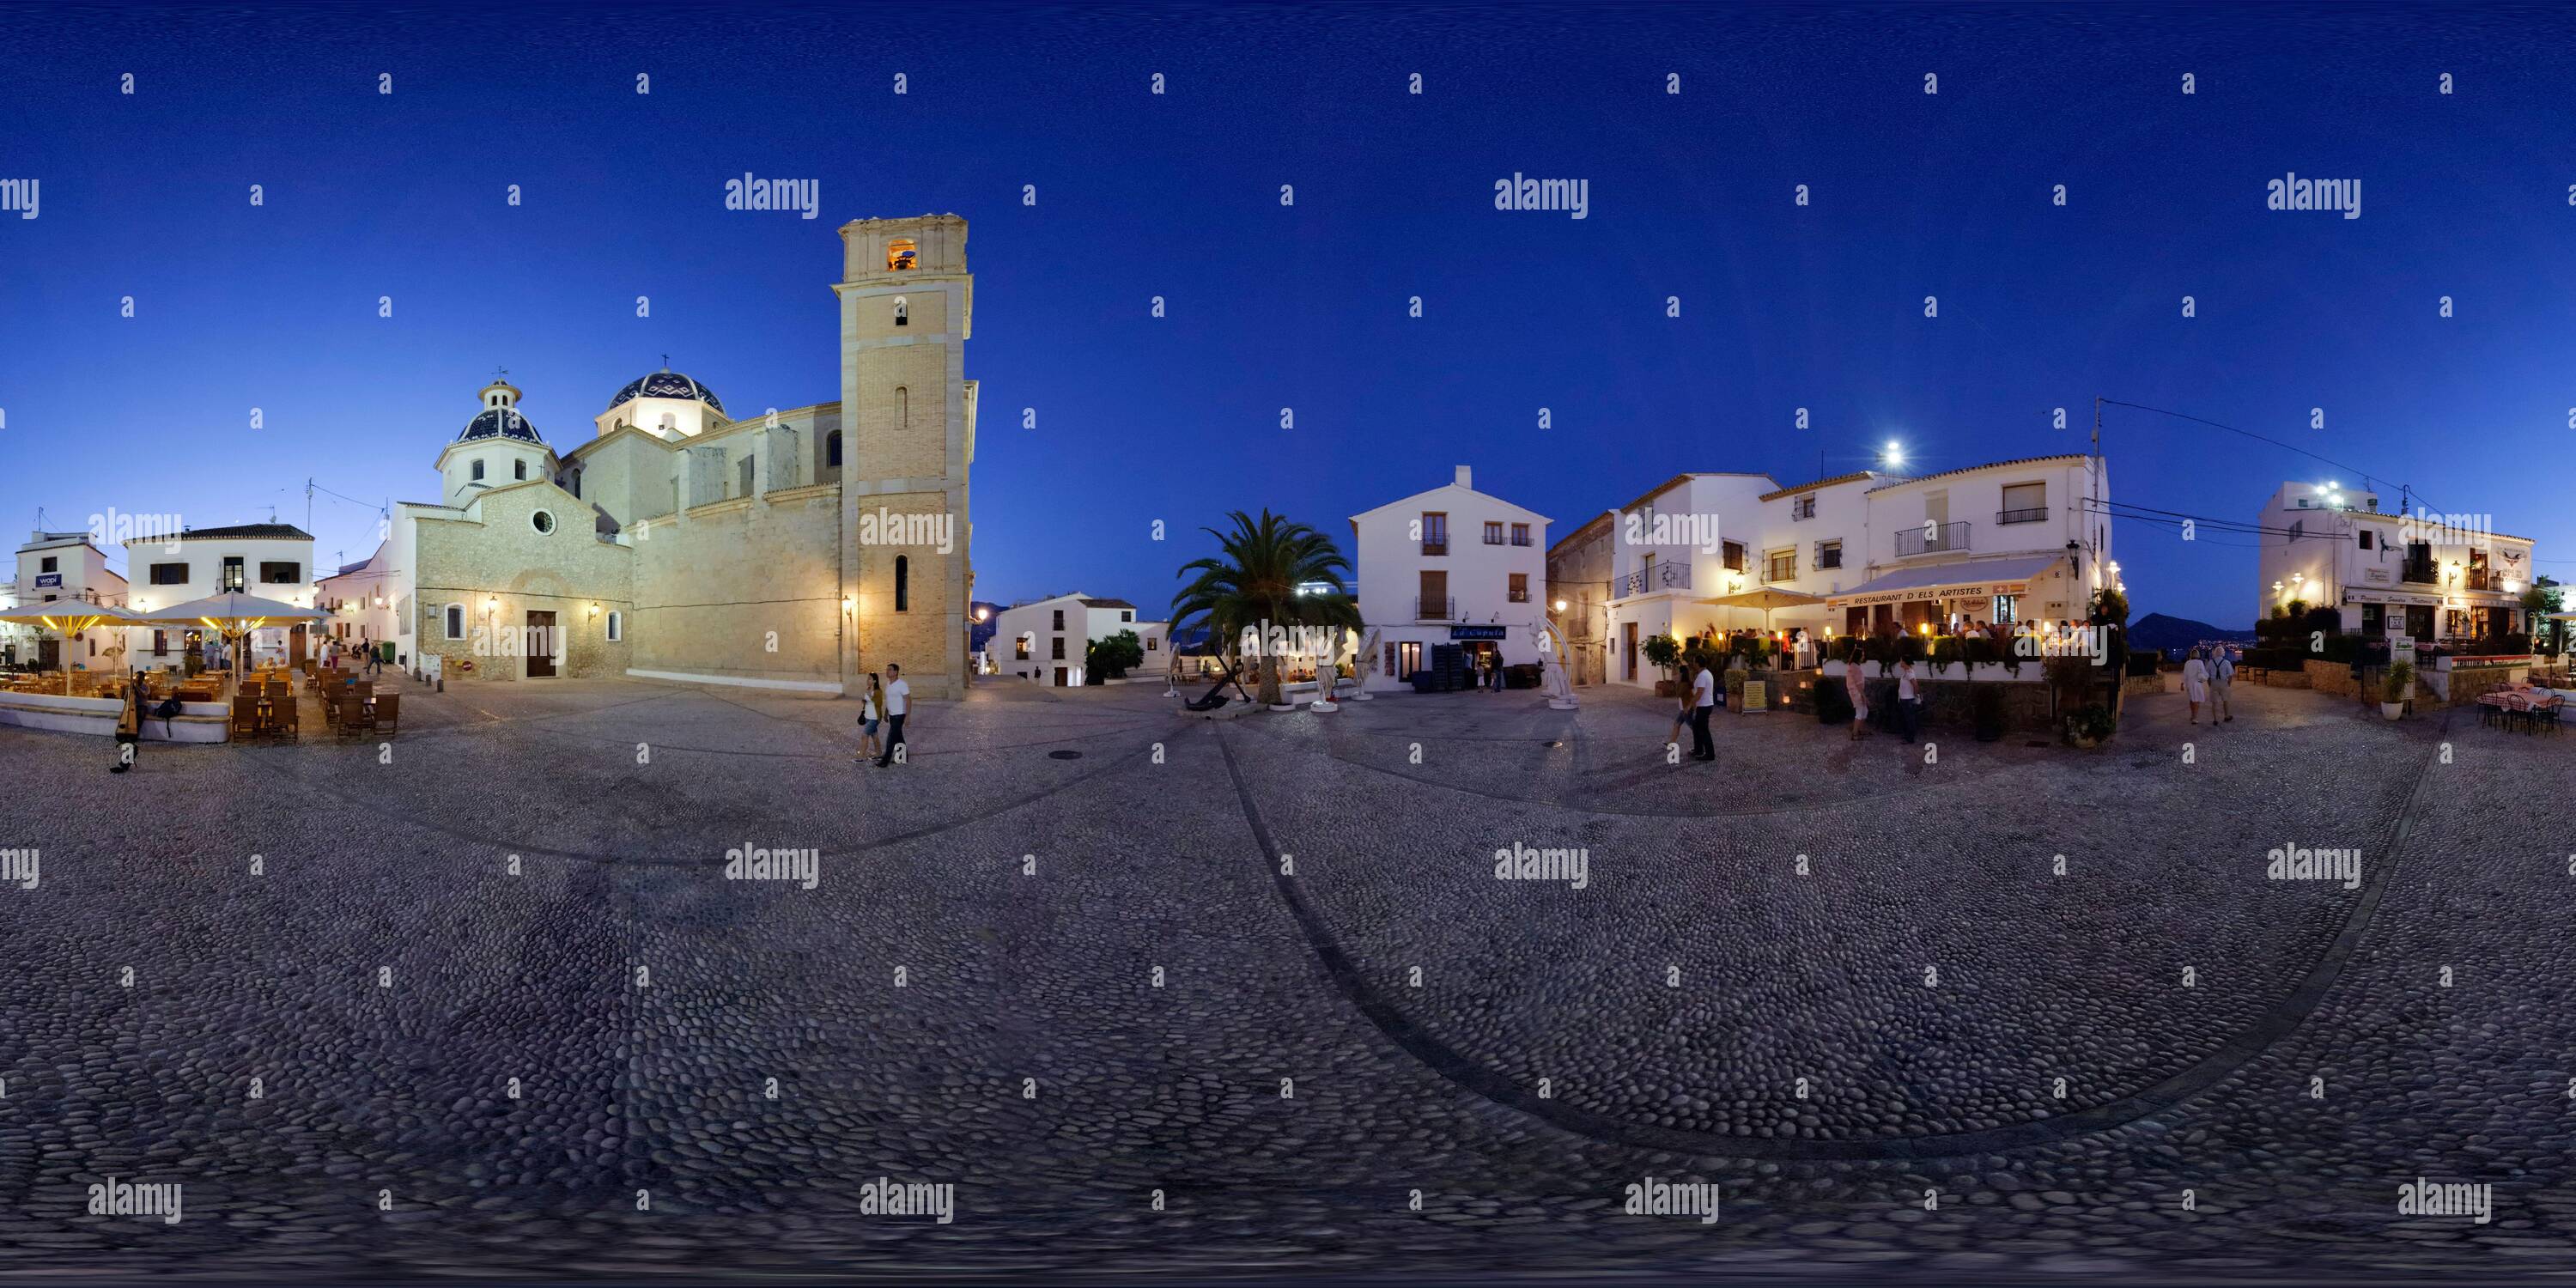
(1978, 580)
(1765, 598)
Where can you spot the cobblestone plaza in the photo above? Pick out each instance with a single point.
(1161, 994)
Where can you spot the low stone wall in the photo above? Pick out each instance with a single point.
(2332, 677)
(2142, 686)
(1947, 704)
(2466, 682)
(2282, 679)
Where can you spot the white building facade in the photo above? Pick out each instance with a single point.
(361, 598)
(1449, 566)
(68, 566)
(266, 560)
(2433, 577)
(2013, 541)
(1046, 641)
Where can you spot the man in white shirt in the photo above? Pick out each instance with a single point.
(2222, 673)
(1703, 702)
(898, 697)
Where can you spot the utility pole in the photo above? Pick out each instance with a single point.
(2096, 517)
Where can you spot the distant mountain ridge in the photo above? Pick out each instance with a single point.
(2168, 634)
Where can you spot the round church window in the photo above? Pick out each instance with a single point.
(542, 521)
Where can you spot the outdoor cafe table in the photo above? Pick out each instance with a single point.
(2522, 697)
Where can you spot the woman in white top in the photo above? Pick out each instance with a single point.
(870, 712)
(2195, 683)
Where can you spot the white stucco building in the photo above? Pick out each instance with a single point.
(2434, 577)
(1045, 640)
(361, 598)
(1450, 565)
(268, 560)
(66, 566)
(2010, 541)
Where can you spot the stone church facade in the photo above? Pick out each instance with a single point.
(793, 550)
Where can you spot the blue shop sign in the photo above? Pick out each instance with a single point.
(1477, 632)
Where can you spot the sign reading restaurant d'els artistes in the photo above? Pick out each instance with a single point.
(1954, 590)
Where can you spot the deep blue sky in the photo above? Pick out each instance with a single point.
(1139, 419)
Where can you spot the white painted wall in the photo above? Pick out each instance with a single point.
(1082, 624)
(80, 572)
(1387, 542)
(203, 561)
(2324, 564)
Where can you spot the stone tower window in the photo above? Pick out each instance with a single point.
(832, 449)
(519, 469)
(900, 254)
(902, 583)
(478, 469)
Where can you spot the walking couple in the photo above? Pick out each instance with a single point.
(887, 704)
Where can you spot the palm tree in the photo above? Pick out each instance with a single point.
(1252, 584)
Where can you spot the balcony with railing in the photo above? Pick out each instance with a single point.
(2039, 515)
(1931, 539)
(2421, 572)
(1429, 608)
(1670, 576)
(2482, 579)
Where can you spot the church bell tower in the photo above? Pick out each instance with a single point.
(908, 417)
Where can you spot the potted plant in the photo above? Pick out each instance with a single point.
(2396, 689)
(1665, 654)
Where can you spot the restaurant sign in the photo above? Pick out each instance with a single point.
(1478, 632)
(2397, 597)
(1926, 594)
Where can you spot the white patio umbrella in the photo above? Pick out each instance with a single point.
(70, 617)
(234, 616)
(1765, 598)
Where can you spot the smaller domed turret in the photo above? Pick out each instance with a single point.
(500, 416)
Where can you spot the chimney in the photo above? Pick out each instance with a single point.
(1465, 479)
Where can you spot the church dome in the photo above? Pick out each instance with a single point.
(500, 422)
(666, 383)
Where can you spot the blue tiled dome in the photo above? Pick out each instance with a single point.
(666, 384)
(500, 422)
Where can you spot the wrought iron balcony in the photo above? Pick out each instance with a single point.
(1670, 576)
(1931, 539)
(2039, 515)
(2420, 573)
(1428, 609)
